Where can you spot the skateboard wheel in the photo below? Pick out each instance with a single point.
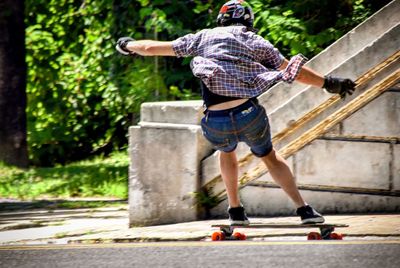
(239, 236)
(336, 236)
(218, 236)
(314, 236)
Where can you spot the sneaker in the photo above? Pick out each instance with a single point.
(309, 215)
(237, 216)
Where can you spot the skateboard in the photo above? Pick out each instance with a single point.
(227, 232)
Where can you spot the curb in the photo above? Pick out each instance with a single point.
(208, 238)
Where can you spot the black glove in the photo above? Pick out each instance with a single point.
(339, 86)
(121, 46)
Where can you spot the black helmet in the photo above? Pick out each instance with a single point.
(233, 12)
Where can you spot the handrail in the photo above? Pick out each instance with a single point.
(362, 80)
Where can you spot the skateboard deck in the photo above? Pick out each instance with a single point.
(326, 230)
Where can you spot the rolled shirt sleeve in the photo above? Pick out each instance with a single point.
(293, 68)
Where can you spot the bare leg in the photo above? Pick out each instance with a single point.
(229, 172)
(280, 172)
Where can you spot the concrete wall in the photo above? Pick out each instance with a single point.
(164, 172)
(380, 118)
(360, 153)
(345, 164)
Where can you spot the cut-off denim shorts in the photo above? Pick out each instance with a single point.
(247, 123)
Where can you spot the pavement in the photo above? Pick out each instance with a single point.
(111, 225)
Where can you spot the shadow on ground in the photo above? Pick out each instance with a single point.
(13, 205)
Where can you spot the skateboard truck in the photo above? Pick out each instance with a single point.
(326, 232)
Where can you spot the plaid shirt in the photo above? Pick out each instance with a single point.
(235, 62)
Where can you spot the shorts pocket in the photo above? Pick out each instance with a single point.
(217, 140)
(258, 132)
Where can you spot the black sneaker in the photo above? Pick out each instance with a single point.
(309, 215)
(237, 216)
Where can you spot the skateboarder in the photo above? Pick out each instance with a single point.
(235, 66)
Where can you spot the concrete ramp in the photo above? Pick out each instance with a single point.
(345, 154)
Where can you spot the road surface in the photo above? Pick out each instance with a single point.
(290, 254)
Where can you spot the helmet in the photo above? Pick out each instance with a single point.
(233, 12)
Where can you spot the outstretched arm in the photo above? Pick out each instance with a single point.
(307, 76)
(127, 46)
(151, 48)
(331, 84)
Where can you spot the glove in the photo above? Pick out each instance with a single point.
(121, 46)
(339, 86)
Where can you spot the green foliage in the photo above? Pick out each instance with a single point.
(98, 177)
(309, 26)
(83, 96)
(205, 199)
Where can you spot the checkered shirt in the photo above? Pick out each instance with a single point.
(235, 62)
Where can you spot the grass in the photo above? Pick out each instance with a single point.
(98, 177)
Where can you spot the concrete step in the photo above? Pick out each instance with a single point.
(173, 112)
(261, 201)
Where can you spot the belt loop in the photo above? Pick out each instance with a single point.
(205, 112)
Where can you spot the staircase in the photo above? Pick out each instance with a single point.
(345, 154)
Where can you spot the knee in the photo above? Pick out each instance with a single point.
(228, 159)
(273, 159)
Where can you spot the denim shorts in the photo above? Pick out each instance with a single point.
(247, 123)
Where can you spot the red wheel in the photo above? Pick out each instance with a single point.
(239, 236)
(314, 236)
(243, 237)
(336, 236)
(218, 236)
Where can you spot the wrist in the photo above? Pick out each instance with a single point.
(332, 84)
(123, 43)
(319, 81)
(327, 79)
(129, 46)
